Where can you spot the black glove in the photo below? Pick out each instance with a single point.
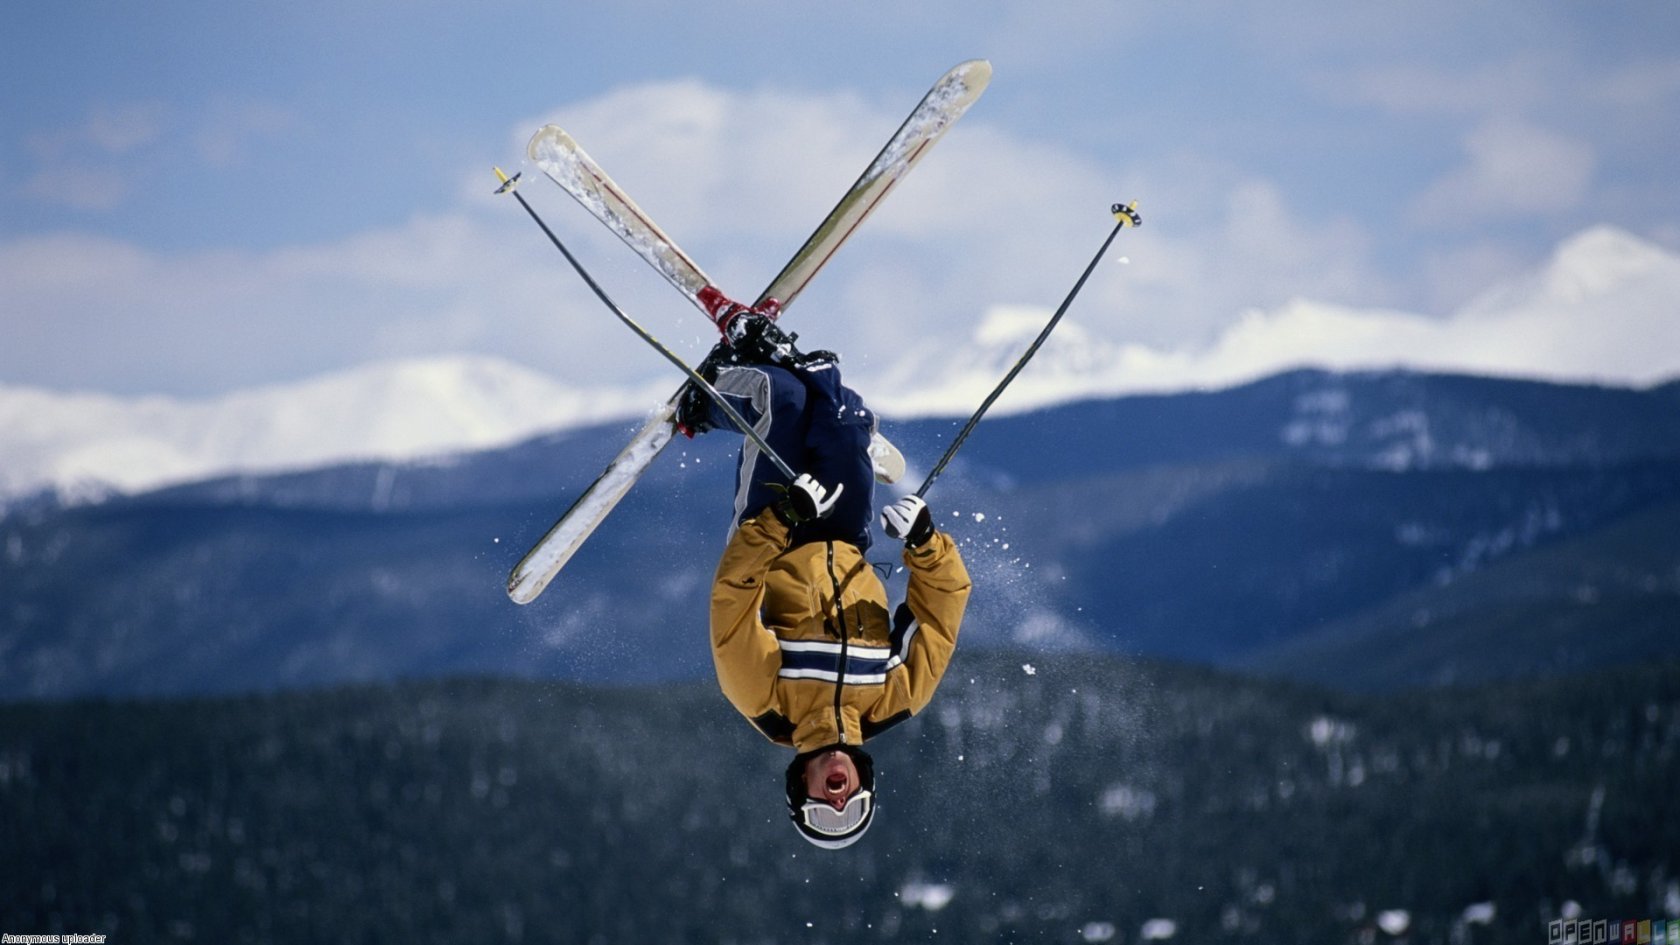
(807, 500)
(694, 406)
(909, 520)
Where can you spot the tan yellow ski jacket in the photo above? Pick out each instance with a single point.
(810, 675)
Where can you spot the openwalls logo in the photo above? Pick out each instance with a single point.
(1613, 932)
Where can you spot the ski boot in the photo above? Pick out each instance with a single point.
(756, 338)
(750, 336)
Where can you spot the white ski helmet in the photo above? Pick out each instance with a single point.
(817, 821)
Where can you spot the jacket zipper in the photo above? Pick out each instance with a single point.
(845, 637)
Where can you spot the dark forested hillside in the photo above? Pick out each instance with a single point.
(1613, 592)
(1038, 799)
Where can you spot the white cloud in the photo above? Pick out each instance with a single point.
(719, 165)
(1451, 274)
(125, 128)
(991, 217)
(91, 165)
(739, 178)
(1511, 169)
(1507, 86)
(1639, 85)
(79, 184)
(1527, 82)
(1600, 311)
(116, 150)
(85, 311)
(230, 133)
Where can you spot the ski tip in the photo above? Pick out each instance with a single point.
(549, 141)
(885, 459)
(524, 588)
(975, 73)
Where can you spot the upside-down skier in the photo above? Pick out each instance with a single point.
(802, 638)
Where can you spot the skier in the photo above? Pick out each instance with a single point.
(802, 639)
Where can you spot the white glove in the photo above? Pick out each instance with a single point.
(807, 500)
(908, 520)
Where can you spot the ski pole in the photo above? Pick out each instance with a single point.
(510, 186)
(1125, 215)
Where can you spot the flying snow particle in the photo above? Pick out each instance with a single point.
(1158, 930)
(1480, 913)
(1029, 669)
(1394, 921)
(930, 896)
(979, 516)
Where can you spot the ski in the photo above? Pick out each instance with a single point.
(510, 185)
(945, 102)
(564, 162)
(569, 166)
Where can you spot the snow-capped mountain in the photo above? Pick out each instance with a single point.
(1605, 308)
(82, 444)
(1602, 309)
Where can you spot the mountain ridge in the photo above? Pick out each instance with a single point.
(1206, 527)
(1600, 310)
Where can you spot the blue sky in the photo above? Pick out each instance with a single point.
(199, 197)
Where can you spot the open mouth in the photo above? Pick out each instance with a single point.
(837, 782)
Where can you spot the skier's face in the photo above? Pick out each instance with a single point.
(832, 778)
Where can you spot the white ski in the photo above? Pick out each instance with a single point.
(569, 166)
(946, 102)
(576, 172)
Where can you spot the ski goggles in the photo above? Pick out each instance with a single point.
(824, 819)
